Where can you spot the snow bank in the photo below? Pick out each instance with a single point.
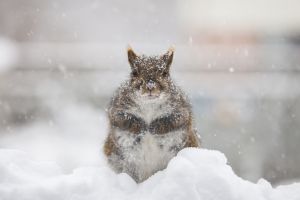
(60, 159)
(193, 174)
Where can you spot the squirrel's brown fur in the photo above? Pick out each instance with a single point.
(150, 119)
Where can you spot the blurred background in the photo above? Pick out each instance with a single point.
(239, 62)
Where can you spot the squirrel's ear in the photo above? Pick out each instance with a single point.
(131, 55)
(168, 57)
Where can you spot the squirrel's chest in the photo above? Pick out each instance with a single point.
(149, 110)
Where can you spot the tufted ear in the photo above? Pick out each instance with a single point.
(131, 56)
(168, 57)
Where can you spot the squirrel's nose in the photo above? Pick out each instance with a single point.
(150, 85)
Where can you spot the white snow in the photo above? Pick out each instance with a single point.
(193, 174)
(61, 160)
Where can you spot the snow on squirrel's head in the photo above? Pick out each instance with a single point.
(150, 74)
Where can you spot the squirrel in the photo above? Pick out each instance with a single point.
(150, 119)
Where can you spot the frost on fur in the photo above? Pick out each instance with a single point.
(150, 118)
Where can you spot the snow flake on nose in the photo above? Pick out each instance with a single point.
(150, 85)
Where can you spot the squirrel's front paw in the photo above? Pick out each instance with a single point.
(160, 126)
(136, 125)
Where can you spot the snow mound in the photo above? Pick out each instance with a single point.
(192, 174)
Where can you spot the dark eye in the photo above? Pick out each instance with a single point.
(165, 74)
(134, 73)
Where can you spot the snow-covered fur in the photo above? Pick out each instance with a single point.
(150, 119)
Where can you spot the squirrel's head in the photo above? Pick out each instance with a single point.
(150, 74)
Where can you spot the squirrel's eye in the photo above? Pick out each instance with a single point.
(165, 74)
(134, 73)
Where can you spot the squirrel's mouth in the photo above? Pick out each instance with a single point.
(150, 95)
(153, 93)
